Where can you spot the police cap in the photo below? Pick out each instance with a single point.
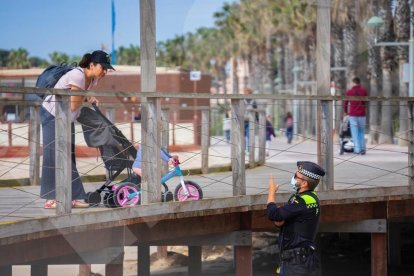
(310, 169)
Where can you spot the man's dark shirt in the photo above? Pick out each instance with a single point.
(301, 215)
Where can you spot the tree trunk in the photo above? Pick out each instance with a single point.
(339, 77)
(402, 28)
(235, 75)
(374, 83)
(385, 136)
(351, 43)
(387, 57)
(403, 114)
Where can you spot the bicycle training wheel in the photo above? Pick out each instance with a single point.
(127, 194)
(194, 190)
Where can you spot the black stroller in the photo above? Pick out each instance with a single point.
(117, 153)
(345, 139)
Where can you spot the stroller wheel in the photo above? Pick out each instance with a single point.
(93, 198)
(126, 194)
(109, 200)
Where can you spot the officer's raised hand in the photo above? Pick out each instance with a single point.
(273, 187)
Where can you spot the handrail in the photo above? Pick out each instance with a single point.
(204, 95)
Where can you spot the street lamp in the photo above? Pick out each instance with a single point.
(295, 71)
(375, 22)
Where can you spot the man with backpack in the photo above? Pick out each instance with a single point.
(357, 116)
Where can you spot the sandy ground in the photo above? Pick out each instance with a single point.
(216, 260)
(342, 255)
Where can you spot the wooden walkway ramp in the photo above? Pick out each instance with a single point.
(98, 236)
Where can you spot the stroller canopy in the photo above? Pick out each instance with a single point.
(97, 131)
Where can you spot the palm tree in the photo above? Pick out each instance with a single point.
(18, 59)
(388, 64)
(128, 56)
(402, 31)
(232, 29)
(58, 57)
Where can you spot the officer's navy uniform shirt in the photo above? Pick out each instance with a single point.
(301, 215)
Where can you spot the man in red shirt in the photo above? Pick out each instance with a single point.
(357, 116)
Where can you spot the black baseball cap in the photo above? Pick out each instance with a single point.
(102, 58)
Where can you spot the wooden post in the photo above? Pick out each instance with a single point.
(326, 144)
(394, 243)
(143, 260)
(194, 260)
(34, 145)
(252, 138)
(162, 251)
(116, 267)
(379, 254)
(165, 136)
(38, 270)
(10, 133)
(131, 126)
(244, 260)
(323, 79)
(85, 270)
(205, 138)
(410, 143)
(6, 270)
(63, 156)
(165, 141)
(262, 137)
(237, 147)
(151, 144)
(151, 169)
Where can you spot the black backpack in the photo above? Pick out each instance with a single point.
(51, 75)
(48, 79)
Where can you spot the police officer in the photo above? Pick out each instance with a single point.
(299, 221)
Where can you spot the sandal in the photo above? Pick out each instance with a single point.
(50, 204)
(79, 204)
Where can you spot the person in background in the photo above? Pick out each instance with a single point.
(357, 116)
(299, 221)
(250, 104)
(92, 68)
(289, 127)
(227, 126)
(270, 131)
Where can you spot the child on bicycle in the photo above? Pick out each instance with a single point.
(165, 156)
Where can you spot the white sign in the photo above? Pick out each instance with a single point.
(406, 73)
(195, 75)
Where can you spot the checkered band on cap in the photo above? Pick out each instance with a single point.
(310, 174)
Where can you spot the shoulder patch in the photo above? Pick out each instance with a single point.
(310, 201)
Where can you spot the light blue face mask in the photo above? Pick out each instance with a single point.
(293, 182)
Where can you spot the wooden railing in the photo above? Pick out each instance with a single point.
(152, 131)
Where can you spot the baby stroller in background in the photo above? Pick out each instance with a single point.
(117, 153)
(345, 139)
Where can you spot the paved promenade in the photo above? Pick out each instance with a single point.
(384, 165)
